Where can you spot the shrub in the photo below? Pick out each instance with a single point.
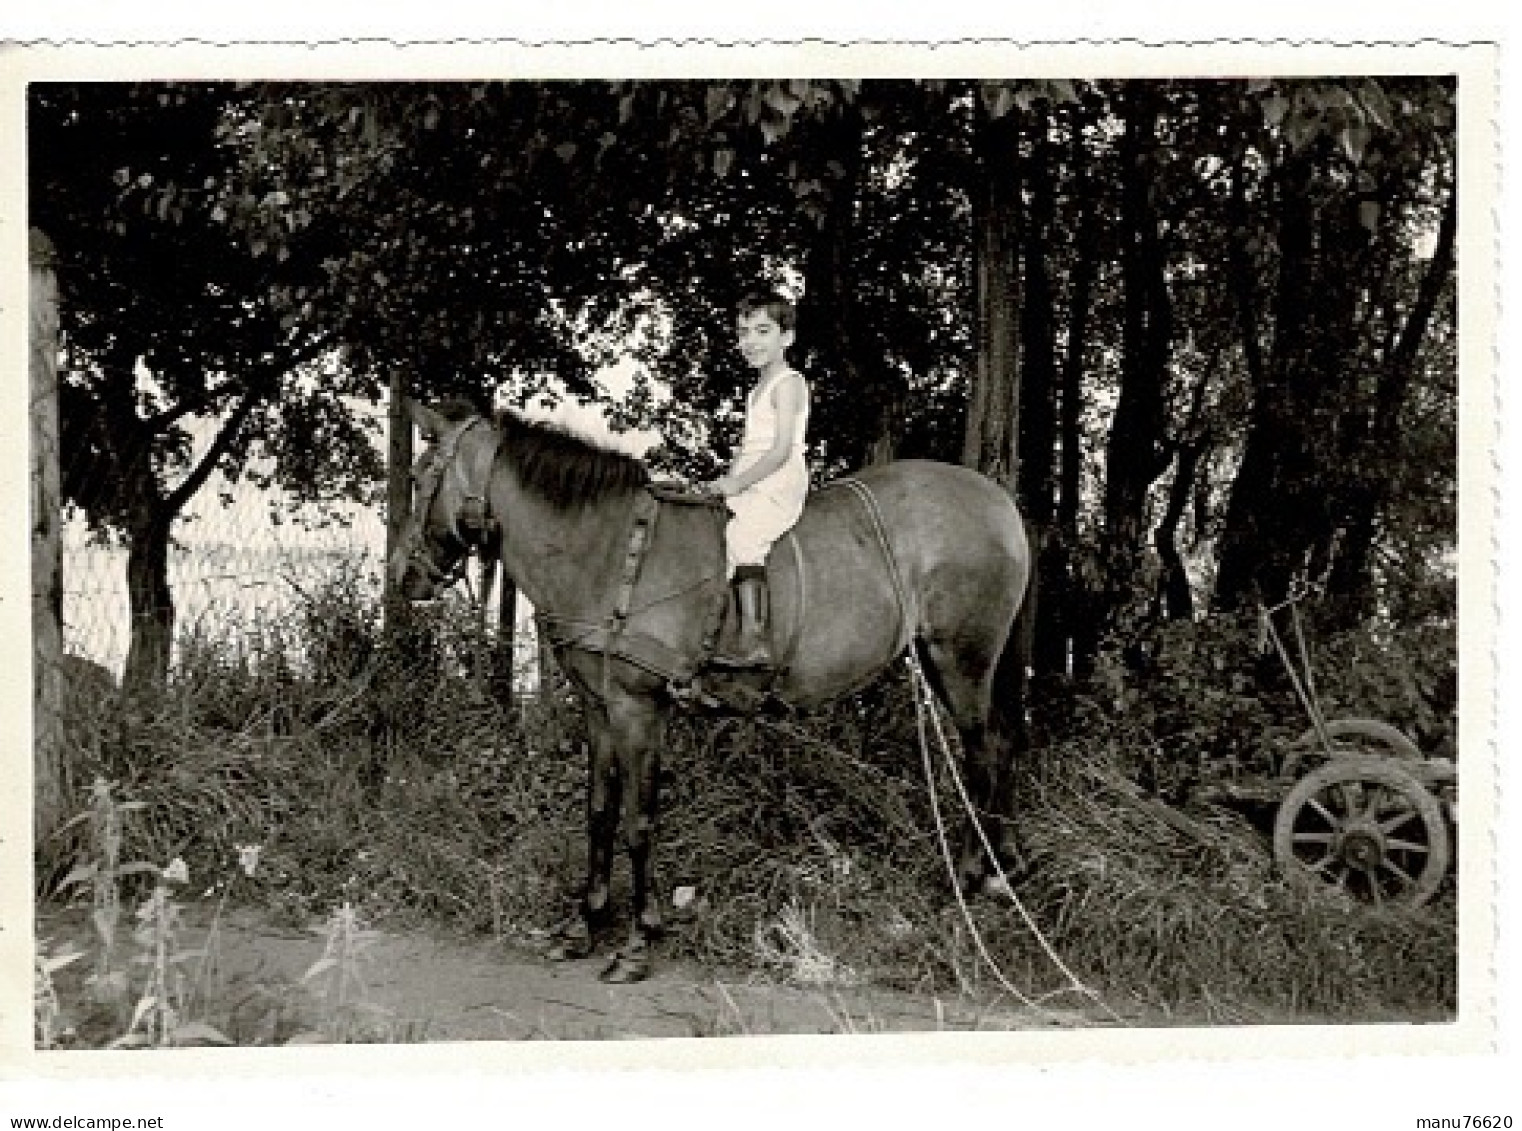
(377, 775)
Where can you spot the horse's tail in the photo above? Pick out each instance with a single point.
(1011, 674)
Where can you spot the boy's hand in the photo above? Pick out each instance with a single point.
(725, 485)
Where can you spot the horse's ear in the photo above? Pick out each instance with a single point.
(428, 422)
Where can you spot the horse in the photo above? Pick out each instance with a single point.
(628, 582)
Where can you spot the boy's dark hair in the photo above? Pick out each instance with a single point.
(778, 308)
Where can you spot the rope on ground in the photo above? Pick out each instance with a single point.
(923, 699)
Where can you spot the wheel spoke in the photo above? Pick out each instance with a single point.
(1389, 826)
(1407, 846)
(1326, 815)
(1313, 838)
(1346, 795)
(1406, 878)
(1374, 889)
(1319, 864)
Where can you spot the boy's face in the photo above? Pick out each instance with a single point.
(762, 342)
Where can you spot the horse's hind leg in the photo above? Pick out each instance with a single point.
(1009, 739)
(961, 674)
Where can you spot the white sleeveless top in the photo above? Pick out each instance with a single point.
(792, 478)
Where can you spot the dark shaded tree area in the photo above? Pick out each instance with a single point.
(1204, 331)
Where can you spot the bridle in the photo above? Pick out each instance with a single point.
(472, 526)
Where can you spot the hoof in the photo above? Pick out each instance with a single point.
(626, 968)
(572, 940)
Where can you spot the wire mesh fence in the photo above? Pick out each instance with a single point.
(242, 575)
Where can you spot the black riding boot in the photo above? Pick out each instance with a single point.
(751, 650)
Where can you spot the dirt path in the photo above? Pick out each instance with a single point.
(421, 986)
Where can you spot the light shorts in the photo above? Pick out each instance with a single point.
(762, 514)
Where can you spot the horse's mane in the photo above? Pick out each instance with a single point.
(564, 469)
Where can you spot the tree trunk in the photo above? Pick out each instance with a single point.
(1136, 453)
(857, 397)
(1038, 413)
(51, 770)
(1078, 631)
(1038, 374)
(1351, 578)
(990, 442)
(1254, 559)
(150, 604)
(1175, 596)
(1295, 475)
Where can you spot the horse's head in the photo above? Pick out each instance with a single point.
(450, 514)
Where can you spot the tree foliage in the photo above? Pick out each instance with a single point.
(1203, 329)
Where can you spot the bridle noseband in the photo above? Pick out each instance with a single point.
(473, 526)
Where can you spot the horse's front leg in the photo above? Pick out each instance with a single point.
(576, 937)
(638, 730)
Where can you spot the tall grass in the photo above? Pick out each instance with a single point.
(379, 777)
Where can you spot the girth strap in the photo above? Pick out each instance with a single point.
(875, 514)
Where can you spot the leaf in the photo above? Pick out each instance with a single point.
(997, 99)
(309, 1037)
(722, 160)
(1368, 214)
(74, 820)
(782, 100)
(199, 1031)
(1355, 138)
(717, 101)
(81, 873)
(1062, 91)
(1274, 110)
(59, 961)
(1372, 97)
(144, 1004)
(565, 151)
(321, 966)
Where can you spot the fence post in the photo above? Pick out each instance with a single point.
(48, 755)
(398, 488)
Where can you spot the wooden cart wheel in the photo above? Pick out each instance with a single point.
(1351, 737)
(1368, 826)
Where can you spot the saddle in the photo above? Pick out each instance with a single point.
(724, 614)
(647, 626)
